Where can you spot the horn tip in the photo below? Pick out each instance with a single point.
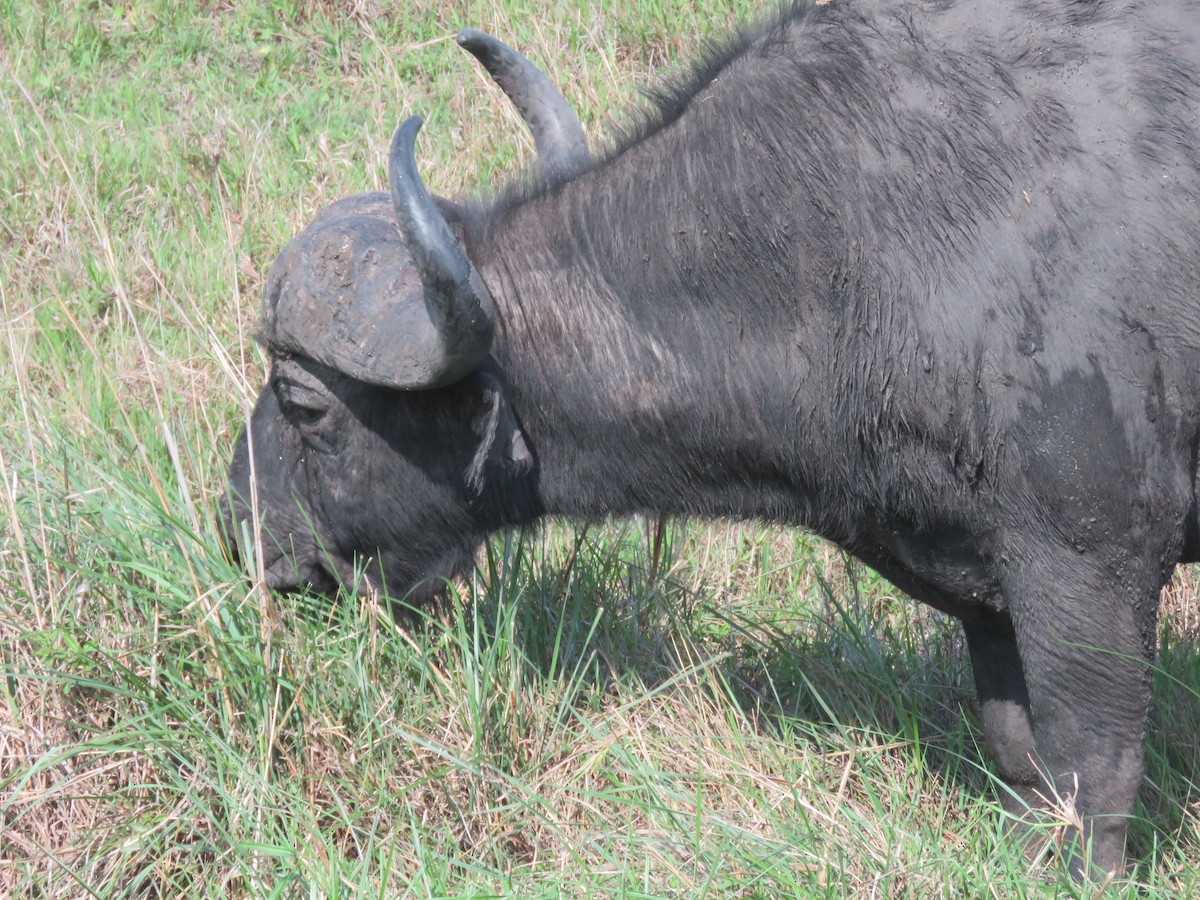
(407, 131)
(480, 44)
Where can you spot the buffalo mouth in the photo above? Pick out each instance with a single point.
(294, 562)
(284, 575)
(283, 568)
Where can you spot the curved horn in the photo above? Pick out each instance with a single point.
(561, 143)
(457, 300)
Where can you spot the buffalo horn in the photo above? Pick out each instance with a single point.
(561, 143)
(457, 300)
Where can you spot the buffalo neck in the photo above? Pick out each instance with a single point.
(646, 323)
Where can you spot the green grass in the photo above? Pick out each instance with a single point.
(631, 709)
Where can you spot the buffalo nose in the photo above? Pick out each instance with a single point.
(227, 530)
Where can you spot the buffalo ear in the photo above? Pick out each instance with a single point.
(495, 424)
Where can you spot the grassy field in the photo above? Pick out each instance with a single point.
(633, 709)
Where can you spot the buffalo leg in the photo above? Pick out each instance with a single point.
(1004, 709)
(1084, 633)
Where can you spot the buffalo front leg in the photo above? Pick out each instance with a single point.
(1004, 709)
(1085, 634)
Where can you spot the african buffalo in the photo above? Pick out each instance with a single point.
(920, 277)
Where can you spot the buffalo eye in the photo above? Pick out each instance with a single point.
(301, 404)
(305, 406)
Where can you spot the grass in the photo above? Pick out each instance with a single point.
(632, 709)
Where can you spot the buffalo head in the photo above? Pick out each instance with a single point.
(369, 454)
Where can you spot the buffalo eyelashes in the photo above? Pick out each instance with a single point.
(302, 404)
(304, 401)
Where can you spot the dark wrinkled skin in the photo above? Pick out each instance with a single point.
(922, 279)
(341, 448)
